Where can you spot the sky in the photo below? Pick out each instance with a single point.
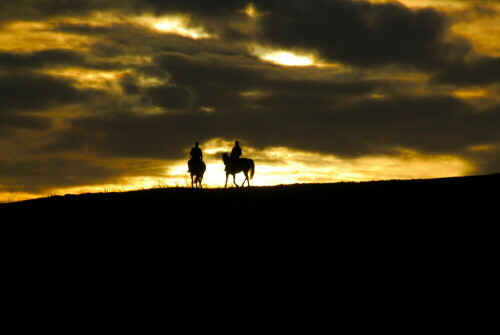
(99, 96)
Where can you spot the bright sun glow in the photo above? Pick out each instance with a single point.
(180, 25)
(287, 58)
(284, 57)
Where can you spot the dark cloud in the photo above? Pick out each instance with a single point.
(210, 69)
(169, 97)
(129, 84)
(16, 122)
(488, 161)
(432, 124)
(363, 34)
(134, 135)
(217, 80)
(40, 59)
(29, 91)
(481, 70)
(438, 125)
(220, 79)
(56, 58)
(39, 175)
(215, 8)
(43, 9)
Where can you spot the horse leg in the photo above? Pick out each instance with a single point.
(227, 175)
(234, 180)
(246, 178)
(192, 181)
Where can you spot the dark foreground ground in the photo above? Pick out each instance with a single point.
(407, 254)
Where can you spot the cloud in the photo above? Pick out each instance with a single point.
(39, 59)
(39, 175)
(481, 70)
(43, 9)
(169, 97)
(362, 34)
(16, 122)
(214, 8)
(211, 96)
(29, 91)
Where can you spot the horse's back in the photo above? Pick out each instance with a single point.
(199, 167)
(248, 162)
(242, 165)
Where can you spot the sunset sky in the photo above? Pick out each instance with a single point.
(111, 95)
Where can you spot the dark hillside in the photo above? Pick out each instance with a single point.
(391, 252)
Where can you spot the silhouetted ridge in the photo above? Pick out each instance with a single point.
(352, 250)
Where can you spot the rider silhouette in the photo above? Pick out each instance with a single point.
(196, 155)
(236, 152)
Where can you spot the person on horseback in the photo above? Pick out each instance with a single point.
(196, 155)
(236, 152)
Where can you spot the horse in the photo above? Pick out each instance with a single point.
(241, 165)
(197, 170)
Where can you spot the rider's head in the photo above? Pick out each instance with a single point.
(196, 144)
(237, 143)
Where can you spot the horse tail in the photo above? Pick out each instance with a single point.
(252, 168)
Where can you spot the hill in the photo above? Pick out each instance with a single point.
(363, 253)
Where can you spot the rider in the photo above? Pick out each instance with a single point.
(236, 152)
(196, 155)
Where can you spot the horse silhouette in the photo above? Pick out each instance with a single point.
(197, 169)
(236, 166)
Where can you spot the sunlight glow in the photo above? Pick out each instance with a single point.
(483, 33)
(483, 148)
(284, 57)
(378, 96)
(457, 4)
(180, 25)
(280, 165)
(88, 78)
(25, 36)
(470, 93)
(288, 58)
(251, 11)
